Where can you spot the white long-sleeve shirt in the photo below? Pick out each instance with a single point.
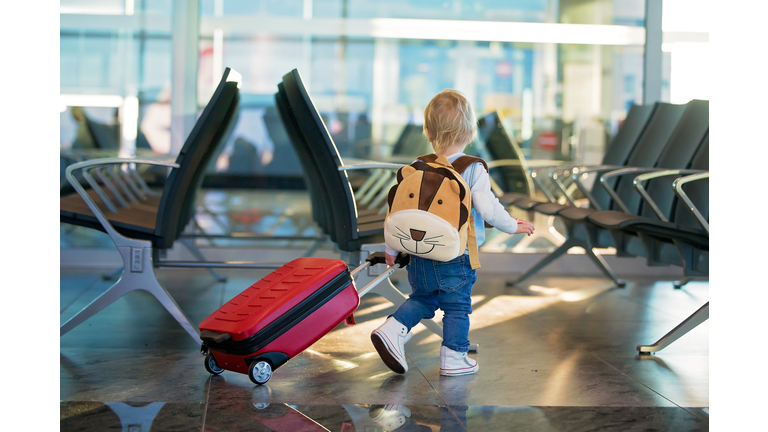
(485, 206)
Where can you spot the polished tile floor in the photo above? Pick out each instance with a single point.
(555, 355)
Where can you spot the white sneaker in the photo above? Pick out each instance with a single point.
(389, 339)
(454, 363)
(390, 417)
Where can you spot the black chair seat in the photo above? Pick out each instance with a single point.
(612, 219)
(576, 214)
(665, 231)
(668, 232)
(551, 209)
(527, 203)
(510, 198)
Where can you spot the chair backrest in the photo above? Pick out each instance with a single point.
(646, 151)
(501, 146)
(678, 153)
(321, 209)
(697, 191)
(412, 142)
(327, 157)
(177, 204)
(105, 136)
(658, 120)
(628, 135)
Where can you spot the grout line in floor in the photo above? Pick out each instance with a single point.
(205, 406)
(437, 393)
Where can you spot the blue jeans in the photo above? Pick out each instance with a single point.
(444, 285)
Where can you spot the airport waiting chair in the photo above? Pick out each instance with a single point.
(142, 230)
(349, 233)
(322, 213)
(672, 137)
(319, 195)
(683, 241)
(510, 176)
(635, 235)
(616, 155)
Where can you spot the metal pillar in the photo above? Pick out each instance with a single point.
(652, 69)
(186, 15)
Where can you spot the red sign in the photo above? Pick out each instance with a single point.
(547, 140)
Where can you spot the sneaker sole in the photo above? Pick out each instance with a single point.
(468, 371)
(386, 356)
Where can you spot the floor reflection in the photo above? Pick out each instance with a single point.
(242, 415)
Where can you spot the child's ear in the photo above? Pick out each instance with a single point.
(426, 132)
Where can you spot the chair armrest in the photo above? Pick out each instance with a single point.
(578, 172)
(555, 178)
(638, 182)
(360, 164)
(678, 186)
(532, 163)
(119, 239)
(621, 172)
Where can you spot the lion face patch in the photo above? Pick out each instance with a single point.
(428, 212)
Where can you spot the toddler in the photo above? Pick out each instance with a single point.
(450, 125)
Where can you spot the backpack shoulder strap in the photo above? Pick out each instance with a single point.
(464, 162)
(429, 158)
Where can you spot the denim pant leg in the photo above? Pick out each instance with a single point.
(455, 279)
(422, 302)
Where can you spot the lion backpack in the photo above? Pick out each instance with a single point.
(429, 213)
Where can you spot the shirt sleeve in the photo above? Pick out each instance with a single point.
(487, 205)
(391, 251)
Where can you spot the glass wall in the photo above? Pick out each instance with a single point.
(113, 51)
(561, 73)
(371, 67)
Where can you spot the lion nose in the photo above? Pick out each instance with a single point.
(417, 235)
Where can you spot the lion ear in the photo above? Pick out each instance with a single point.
(405, 172)
(455, 186)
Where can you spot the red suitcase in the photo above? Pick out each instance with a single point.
(281, 315)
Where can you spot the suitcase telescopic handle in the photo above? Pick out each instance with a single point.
(380, 258)
(401, 260)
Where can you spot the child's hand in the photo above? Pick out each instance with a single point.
(390, 259)
(522, 227)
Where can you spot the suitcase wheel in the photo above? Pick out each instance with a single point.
(211, 366)
(260, 372)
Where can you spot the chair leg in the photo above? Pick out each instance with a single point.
(549, 234)
(112, 276)
(562, 249)
(119, 289)
(190, 245)
(681, 283)
(162, 295)
(143, 279)
(606, 269)
(136, 418)
(684, 327)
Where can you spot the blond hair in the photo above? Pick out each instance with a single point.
(450, 120)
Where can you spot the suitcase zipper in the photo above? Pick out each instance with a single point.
(285, 322)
